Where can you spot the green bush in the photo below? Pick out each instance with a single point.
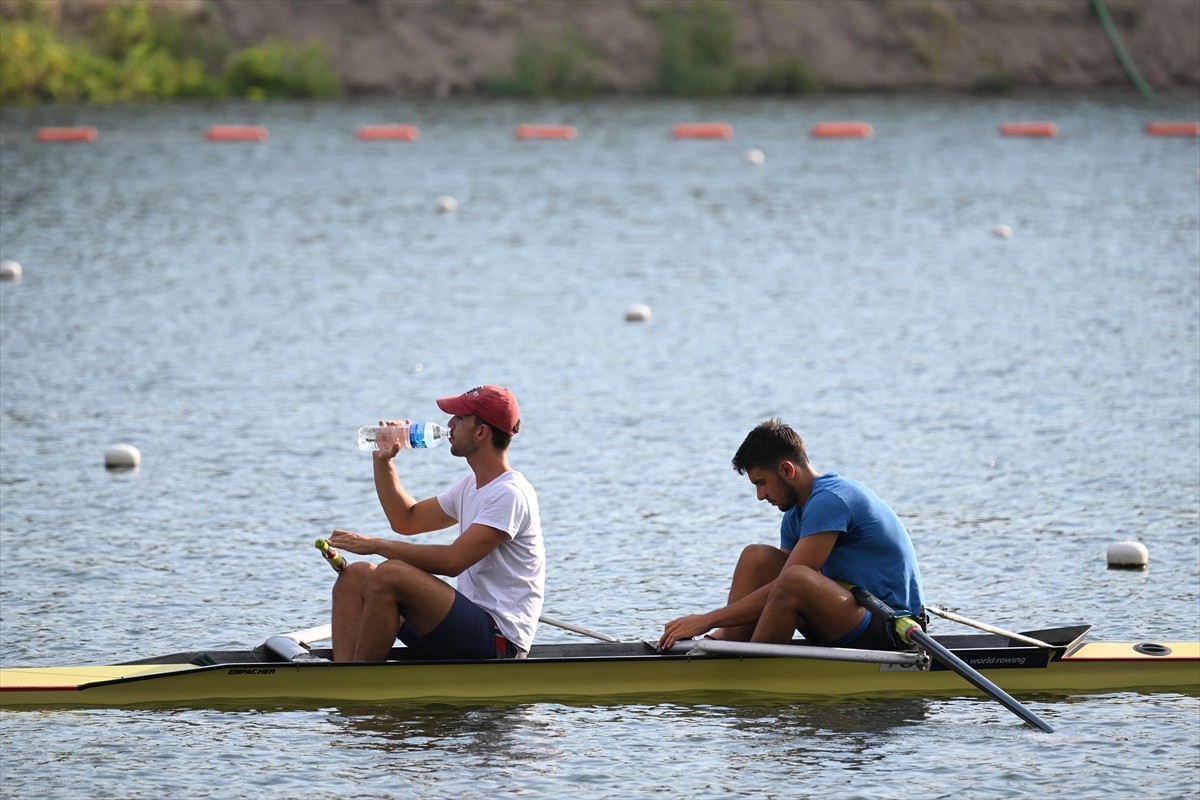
(32, 63)
(786, 75)
(132, 51)
(278, 68)
(696, 50)
(698, 57)
(559, 69)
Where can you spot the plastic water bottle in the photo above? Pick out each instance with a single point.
(414, 434)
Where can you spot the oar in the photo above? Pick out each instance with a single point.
(309, 635)
(983, 626)
(338, 562)
(567, 626)
(909, 630)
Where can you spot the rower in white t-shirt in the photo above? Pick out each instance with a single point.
(498, 557)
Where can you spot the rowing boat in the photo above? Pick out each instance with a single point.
(286, 671)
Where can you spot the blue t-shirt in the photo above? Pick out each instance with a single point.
(873, 549)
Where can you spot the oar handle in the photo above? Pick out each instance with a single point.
(909, 630)
(332, 557)
(901, 624)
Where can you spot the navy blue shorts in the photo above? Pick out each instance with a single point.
(467, 632)
(870, 634)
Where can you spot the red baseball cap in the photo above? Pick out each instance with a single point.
(495, 405)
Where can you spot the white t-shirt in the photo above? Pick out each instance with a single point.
(509, 582)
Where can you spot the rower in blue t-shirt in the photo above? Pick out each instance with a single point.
(835, 531)
(872, 549)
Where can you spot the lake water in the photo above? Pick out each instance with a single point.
(237, 310)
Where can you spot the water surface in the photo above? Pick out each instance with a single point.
(236, 311)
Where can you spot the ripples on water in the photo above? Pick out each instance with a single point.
(870, 749)
(237, 311)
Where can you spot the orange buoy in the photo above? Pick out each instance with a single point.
(76, 134)
(236, 133)
(398, 133)
(1173, 128)
(524, 132)
(1045, 130)
(703, 130)
(842, 130)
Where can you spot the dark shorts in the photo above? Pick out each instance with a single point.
(870, 634)
(467, 632)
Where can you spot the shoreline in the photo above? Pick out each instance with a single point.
(699, 49)
(431, 48)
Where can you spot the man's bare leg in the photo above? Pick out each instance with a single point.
(349, 593)
(399, 592)
(758, 565)
(803, 598)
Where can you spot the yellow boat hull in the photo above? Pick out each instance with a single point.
(1090, 668)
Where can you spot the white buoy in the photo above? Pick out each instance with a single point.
(10, 270)
(638, 313)
(755, 156)
(1002, 231)
(447, 204)
(1127, 555)
(122, 456)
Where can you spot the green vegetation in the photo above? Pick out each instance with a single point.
(559, 69)
(697, 58)
(131, 51)
(278, 68)
(783, 75)
(696, 50)
(139, 50)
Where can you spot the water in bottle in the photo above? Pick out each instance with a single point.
(413, 434)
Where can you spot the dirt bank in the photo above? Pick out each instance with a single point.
(443, 47)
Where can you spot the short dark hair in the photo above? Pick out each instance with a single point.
(767, 445)
(500, 439)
